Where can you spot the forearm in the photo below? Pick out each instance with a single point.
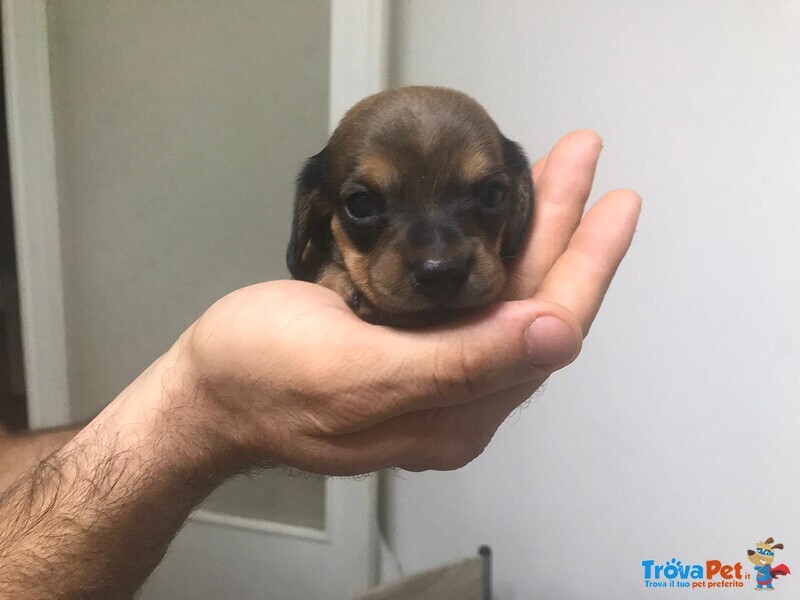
(20, 452)
(93, 519)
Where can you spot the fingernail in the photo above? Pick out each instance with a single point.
(551, 342)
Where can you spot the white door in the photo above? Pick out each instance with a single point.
(154, 145)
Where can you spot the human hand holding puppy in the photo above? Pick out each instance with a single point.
(296, 378)
(285, 373)
(417, 211)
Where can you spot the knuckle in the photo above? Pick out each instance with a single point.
(449, 454)
(459, 454)
(473, 446)
(457, 377)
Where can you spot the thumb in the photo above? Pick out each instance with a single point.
(513, 343)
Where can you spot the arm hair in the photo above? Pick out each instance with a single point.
(93, 519)
(20, 452)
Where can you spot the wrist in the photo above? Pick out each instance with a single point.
(110, 500)
(164, 415)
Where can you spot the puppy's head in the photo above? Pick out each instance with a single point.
(415, 207)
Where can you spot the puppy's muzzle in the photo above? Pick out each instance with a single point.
(440, 278)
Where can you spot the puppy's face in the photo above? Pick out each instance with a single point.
(414, 209)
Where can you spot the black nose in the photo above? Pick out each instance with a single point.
(440, 279)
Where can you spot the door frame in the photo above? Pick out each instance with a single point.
(34, 198)
(358, 68)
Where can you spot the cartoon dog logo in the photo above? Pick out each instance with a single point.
(762, 558)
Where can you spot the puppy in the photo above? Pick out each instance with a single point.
(414, 210)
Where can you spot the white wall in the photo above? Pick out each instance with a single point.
(676, 432)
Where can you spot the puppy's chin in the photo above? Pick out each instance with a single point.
(439, 315)
(424, 318)
(429, 316)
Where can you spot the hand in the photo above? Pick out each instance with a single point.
(284, 373)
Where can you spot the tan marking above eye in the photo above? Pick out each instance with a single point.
(378, 171)
(475, 166)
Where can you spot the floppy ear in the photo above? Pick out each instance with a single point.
(521, 190)
(309, 244)
(778, 546)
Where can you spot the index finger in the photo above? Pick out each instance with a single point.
(562, 184)
(580, 277)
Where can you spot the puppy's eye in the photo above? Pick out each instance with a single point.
(493, 197)
(361, 206)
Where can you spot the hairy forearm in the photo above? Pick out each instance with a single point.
(93, 519)
(20, 452)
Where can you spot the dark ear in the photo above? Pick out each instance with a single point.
(521, 191)
(309, 244)
(778, 546)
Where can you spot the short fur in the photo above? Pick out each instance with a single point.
(443, 191)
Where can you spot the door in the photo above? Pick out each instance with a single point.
(154, 146)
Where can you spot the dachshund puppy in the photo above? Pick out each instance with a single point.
(414, 210)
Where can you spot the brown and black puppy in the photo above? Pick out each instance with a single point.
(415, 208)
